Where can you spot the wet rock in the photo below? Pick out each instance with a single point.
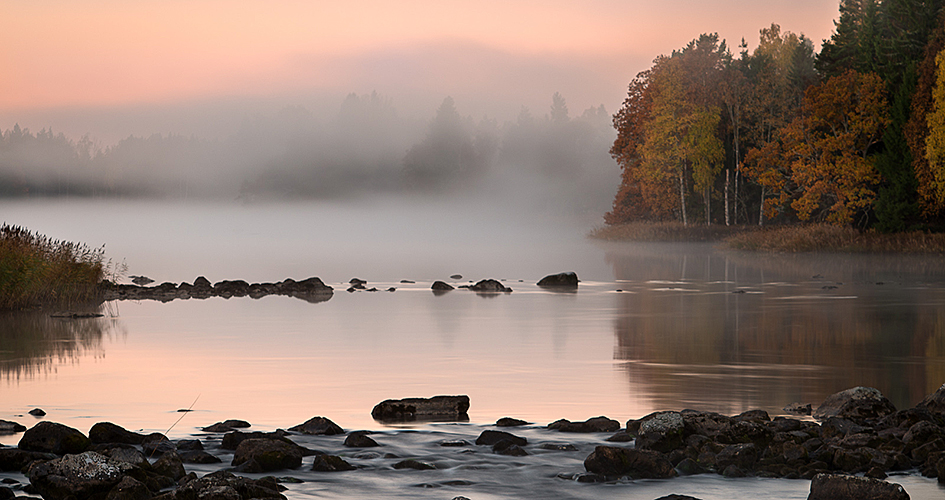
(674, 496)
(560, 280)
(506, 447)
(129, 489)
(360, 439)
(189, 445)
(107, 432)
(37, 412)
(265, 455)
(441, 286)
(704, 423)
(798, 408)
(662, 433)
(490, 437)
(8, 427)
(227, 426)
(141, 280)
(612, 461)
(858, 404)
(198, 457)
(77, 476)
(510, 422)
(123, 453)
(169, 465)
(357, 283)
(413, 464)
(14, 459)
(330, 463)
(440, 408)
(454, 443)
(689, 467)
(596, 424)
(490, 286)
(223, 485)
(319, 426)
(456, 276)
(744, 456)
(558, 447)
(935, 403)
(841, 487)
(55, 438)
(620, 437)
(158, 444)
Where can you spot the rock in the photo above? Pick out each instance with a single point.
(226, 426)
(199, 457)
(620, 437)
(612, 461)
(14, 459)
(510, 422)
(77, 476)
(359, 439)
(674, 496)
(123, 453)
(662, 433)
(129, 489)
(202, 282)
(8, 427)
(490, 437)
(231, 288)
(558, 447)
(170, 465)
(798, 408)
(189, 445)
(224, 485)
(413, 464)
(456, 276)
(858, 404)
(506, 447)
(232, 440)
(319, 426)
(107, 432)
(265, 455)
(490, 286)
(560, 280)
(439, 408)
(157, 444)
(37, 412)
(935, 403)
(330, 463)
(141, 280)
(440, 286)
(596, 424)
(55, 438)
(744, 456)
(838, 487)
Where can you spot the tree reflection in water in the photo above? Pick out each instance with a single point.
(729, 331)
(34, 343)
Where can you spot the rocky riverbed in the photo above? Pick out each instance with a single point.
(858, 439)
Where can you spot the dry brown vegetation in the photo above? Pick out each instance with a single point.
(790, 239)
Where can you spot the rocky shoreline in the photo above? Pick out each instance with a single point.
(860, 438)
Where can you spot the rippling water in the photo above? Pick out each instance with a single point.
(652, 327)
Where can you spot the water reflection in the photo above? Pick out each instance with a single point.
(725, 331)
(34, 343)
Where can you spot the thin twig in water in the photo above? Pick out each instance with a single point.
(183, 414)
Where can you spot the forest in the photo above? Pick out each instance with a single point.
(852, 136)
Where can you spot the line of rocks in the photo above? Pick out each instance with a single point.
(310, 290)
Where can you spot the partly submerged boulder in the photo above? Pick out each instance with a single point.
(612, 461)
(439, 408)
(319, 426)
(266, 455)
(107, 432)
(596, 424)
(858, 404)
(566, 280)
(77, 476)
(53, 437)
(843, 487)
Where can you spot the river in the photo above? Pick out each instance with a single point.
(652, 327)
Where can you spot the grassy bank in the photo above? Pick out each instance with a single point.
(792, 239)
(36, 271)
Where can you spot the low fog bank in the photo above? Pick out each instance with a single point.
(365, 148)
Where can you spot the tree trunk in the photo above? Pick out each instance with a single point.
(682, 198)
(728, 221)
(761, 209)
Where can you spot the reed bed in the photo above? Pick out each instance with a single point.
(665, 232)
(36, 271)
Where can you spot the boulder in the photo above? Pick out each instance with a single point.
(123, 453)
(441, 286)
(232, 440)
(798, 408)
(490, 286)
(413, 464)
(935, 403)
(231, 288)
(596, 424)
(265, 455)
(14, 459)
(55, 438)
(129, 488)
(224, 485)
(858, 404)
(439, 408)
(107, 432)
(77, 476)
(510, 422)
(170, 465)
(490, 437)
(506, 447)
(227, 426)
(37, 412)
(662, 433)
(612, 461)
(561, 280)
(8, 427)
(199, 457)
(360, 439)
(319, 426)
(330, 463)
(842, 487)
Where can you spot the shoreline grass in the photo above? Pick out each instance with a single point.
(38, 272)
(779, 239)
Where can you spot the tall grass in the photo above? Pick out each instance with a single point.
(665, 232)
(36, 271)
(828, 238)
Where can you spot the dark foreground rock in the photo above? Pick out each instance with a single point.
(858, 404)
(14, 459)
(613, 462)
(596, 424)
(568, 280)
(8, 427)
(490, 437)
(489, 286)
(441, 286)
(227, 426)
(311, 290)
(52, 437)
(266, 455)
(843, 487)
(77, 476)
(224, 485)
(319, 426)
(439, 408)
(107, 432)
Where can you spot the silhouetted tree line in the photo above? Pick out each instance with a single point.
(366, 147)
(852, 135)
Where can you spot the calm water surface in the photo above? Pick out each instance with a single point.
(653, 327)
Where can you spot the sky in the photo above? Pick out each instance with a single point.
(113, 68)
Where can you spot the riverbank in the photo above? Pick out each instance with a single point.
(785, 239)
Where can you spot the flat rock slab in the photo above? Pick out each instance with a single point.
(437, 408)
(842, 487)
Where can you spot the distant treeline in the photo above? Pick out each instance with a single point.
(853, 135)
(366, 147)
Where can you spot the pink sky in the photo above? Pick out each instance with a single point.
(69, 54)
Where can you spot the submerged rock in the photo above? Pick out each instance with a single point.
(612, 461)
(227, 426)
(8, 427)
(266, 455)
(568, 280)
(490, 437)
(596, 424)
(439, 408)
(319, 426)
(510, 422)
(360, 439)
(857, 404)
(843, 487)
(441, 286)
(331, 463)
(490, 286)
